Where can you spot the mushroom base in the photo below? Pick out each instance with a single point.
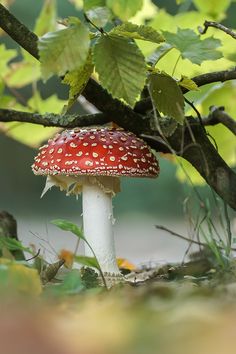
(98, 226)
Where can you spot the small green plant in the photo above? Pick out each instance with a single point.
(87, 261)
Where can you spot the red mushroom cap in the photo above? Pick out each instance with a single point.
(96, 151)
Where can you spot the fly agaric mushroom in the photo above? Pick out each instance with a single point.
(91, 160)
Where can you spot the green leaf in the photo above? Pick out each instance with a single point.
(72, 284)
(148, 10)
(31, 134)
(214, 8)
(223, 95)
(18, 278)
(41, 105)
(186, 173)
(13, 245)
(77, 79)
(87, 261)
(188, 84)
(22, 73)
(5, 56)
(46, 22)
(121, 67)
(125, 9)
(159, 53)
(68, 226)
(192, 47)
(99, 16)
(89, 4)
(64, 50)
(78, 3)
(167, 96)
(142, 32)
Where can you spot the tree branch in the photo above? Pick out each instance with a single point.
(53, 120)
(145, 105)
(218, 115)
(219, 26)
(204, 157)
(19, 32)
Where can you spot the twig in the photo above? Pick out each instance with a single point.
(173, 233)
(228, 227)
(34, 256)
(219, 26)
(100, 29)
(218, 115)
(54, 120)
(191, 104)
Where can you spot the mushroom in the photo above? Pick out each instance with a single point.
(91, 160)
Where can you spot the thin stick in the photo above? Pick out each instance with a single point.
(173, 233)
(219, 26)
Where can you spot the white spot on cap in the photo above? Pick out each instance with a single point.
(44, 163)
(121, 148)
(59, 151)
(124, 158)
(112, 158)
(95, 154)
(73, 145)
(92, 137)
(51, 151)
(85, 144)
(94, 144)
(80, 153)
(88, 163)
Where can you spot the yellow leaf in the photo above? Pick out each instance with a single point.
(125, 264)
(25, 279)
(67, 256)
(188, 84)
(187, 173)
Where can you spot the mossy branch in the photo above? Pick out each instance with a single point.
(53, 120)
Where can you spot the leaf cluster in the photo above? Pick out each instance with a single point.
(133, 50)
(84, 48)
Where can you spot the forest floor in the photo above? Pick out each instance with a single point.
(170, 309)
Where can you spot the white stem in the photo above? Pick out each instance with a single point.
(98, 226)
